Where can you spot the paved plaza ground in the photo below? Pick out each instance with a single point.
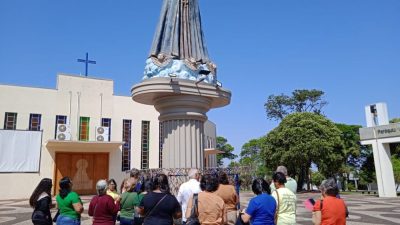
(364, 210)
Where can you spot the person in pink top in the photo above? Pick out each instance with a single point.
(102, 207)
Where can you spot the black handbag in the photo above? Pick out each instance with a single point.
(239, 220)
(138, 220)
(194, 219)
(39, 217)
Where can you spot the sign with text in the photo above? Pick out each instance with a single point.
(385, 131)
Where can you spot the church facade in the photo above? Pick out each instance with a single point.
(86, 132)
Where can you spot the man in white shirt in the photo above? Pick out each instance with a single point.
(291, 183)
(187, 189)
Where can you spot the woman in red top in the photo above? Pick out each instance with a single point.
(102, 206)
(330, 210)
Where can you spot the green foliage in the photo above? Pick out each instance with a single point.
(250, 157)
(395, 147)
(357, 157)
(222, 144)
(396, 168)
(263, 171)
(251, 149)
(234, 164)
(395, 120)
(302, 139)
(277, 107)
(351, 143)
(351, 186)
(317, 178)
(245, 181)
(249, 154)
(367, 170)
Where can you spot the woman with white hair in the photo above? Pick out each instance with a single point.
(329, 209)
(102, 207)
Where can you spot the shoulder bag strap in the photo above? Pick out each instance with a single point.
(277, 206)
(147, 214)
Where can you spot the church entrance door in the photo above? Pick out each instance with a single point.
(85, 169)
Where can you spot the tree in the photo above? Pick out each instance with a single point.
(250, 156)
(395, 147)
(351, 144)
(396, 169)
(234, 164)
(367, 170)
(395, 150)
(302, 139)
(317, 178)
(395, 120)
(277, 107)
(222, 145)
(250, 151)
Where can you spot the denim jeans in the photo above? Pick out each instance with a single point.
(65, 220)
(125, 221)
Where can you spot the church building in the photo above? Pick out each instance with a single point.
(79, 129)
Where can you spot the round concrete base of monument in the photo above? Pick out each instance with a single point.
(148, 91)
(183, 105)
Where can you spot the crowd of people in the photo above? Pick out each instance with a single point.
(204, 199)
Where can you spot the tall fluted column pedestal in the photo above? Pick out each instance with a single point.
(183, 105)
(182, 122)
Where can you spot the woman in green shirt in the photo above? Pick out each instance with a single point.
(69, 204)
(129, 200)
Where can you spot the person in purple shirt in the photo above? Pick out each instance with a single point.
(261, 209)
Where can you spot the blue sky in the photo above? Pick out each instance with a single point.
(349, 49)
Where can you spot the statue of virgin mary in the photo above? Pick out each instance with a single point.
(178, 46)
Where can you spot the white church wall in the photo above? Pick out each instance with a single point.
(96, 100)
(77, 96)
(138, 113)
(23, 101)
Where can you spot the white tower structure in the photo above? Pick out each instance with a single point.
(376, 115)
(379, 133)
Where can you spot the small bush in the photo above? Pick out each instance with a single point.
(317, 178)
(351, 187)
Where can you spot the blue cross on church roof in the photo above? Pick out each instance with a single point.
(86, 61)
